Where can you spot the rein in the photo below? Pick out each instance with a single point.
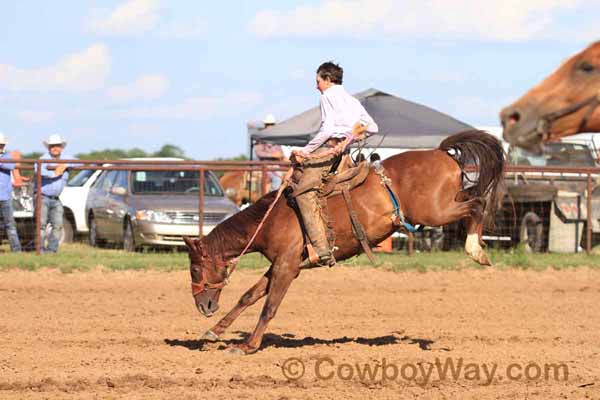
(232, 264)
(545, 123)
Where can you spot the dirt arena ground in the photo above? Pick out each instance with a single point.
(134, 335)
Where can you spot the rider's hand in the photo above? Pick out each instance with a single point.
(298, 156)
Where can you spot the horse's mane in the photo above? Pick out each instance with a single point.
(239, 225)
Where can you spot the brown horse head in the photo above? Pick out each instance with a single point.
(209, 276)
(564, 104)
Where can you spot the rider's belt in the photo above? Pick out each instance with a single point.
(333, 141)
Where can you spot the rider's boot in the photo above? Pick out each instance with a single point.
(315, 228)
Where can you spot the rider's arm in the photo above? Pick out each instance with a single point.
(327, 127)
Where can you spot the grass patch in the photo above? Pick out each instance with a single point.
(80, 257)
(457, 260)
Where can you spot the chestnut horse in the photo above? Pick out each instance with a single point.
(235, 184)
(428, 185)
(564, 104)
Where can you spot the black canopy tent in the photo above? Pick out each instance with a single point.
(402, 124)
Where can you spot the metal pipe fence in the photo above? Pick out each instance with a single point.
(543, 205)
(200, 167)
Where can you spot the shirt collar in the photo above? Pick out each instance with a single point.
(335, 88)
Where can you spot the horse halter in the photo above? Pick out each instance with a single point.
(545, 122)
(199, 287)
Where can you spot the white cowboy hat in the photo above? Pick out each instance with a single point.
(3, 139)
(55, 139)
(269, 120)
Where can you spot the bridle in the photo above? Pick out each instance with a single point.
(545, 122)
(199, 287)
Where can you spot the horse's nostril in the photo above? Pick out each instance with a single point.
(513, 118)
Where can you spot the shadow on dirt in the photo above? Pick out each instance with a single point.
(289, 341)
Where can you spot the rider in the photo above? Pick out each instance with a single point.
(340, 112)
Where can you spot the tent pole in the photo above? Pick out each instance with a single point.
(249, 184)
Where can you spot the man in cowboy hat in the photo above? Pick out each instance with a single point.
(6, 200)
(53, 183)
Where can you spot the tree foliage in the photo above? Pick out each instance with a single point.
(168, 150)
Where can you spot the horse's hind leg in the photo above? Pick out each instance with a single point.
(474, 224)
(255, 293)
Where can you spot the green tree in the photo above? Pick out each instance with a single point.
(27, 169)
(112, 154)
(169, 150)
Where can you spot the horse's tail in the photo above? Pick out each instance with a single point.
(479, 148)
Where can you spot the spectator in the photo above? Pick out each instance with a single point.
(6, 200)
(53, 183)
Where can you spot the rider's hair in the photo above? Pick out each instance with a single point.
(330, 71)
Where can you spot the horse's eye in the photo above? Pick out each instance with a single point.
(586, 67)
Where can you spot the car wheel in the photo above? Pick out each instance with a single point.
(67, 232)
(532, 232)
(128, 239)
(93, 233)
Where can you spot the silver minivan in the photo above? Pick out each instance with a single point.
(153, 208)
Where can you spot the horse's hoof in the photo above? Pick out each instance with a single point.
(236, 351)
(483, 259)
(210, 336)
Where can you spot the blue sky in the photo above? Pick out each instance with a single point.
(142, 73)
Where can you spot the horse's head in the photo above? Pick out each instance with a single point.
(561, 105)
(209, 276)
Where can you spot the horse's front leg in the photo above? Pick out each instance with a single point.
(282, 276)
(255, 293)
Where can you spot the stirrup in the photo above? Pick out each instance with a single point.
(326, 260)
(314, 260)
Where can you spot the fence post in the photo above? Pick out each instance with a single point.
(38, 207)
(265, 181)
(588, 230)
(411, 244)
(201, 203)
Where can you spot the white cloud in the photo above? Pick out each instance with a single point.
(131, 18)
(35, 116)
(506, 20)
(136, 17)
(351, 17)
(79, 72)
(147, 87)
(201, 107)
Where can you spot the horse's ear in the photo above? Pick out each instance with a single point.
(192, 244)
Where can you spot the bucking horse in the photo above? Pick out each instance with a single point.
(416, 187)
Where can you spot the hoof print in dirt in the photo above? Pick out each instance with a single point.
(210, 346)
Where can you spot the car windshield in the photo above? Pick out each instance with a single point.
(555, 154)
(81, 178)
(173, 182)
